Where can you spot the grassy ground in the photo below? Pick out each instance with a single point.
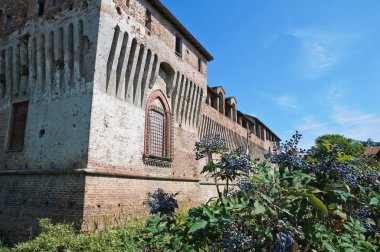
(63, 237)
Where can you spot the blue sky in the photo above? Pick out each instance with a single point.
(307, 65)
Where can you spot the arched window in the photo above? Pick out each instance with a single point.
(158, 131)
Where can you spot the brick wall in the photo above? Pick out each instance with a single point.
(161, 29)
(26, 198)
(109, 200)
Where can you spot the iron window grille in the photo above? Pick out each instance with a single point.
(18, 126)
(158, 137)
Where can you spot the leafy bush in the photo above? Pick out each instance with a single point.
(306, 202)
(3, 249)
(63, 237)
(348, 146)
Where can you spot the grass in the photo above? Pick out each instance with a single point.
(3, 248)
(64, 237)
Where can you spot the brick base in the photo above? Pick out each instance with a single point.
(26, 198)
(93, 202)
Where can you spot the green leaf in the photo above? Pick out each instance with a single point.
(201, 224)
(371, 221)
(341, 214)
(259, 209)
(374, 201)
(207, 211)
(328, 246)
(317, 203)
(152, 229)
(332, 206)
(368, 244)
(176, 242)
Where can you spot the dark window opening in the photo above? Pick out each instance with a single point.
(233, 113)
(199, 65)
(18, 126)
(178, 46)
(7, 23)
(244, 124)
(40, 8)
(227, 111)
(221, 103)
(214, 102)
(148, 19)
(127, 2)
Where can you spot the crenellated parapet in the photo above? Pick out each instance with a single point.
(222, 116)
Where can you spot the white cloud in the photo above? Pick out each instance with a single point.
(320, 50)
(309, 123)
(310, 129)
(354, 123)
(286, 101)
(342, 119)
(344, 115)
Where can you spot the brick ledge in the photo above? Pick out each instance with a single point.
(92, 172)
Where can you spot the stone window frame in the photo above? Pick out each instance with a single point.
(167, 159)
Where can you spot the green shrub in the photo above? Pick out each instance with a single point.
(305, 203)
(63, 237)
(3, 248)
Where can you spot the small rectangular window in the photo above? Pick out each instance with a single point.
(18, 126)
(127, 2)
(178, 46)
(148, 19)
(199, 65)
(40, 8)
(7, 23)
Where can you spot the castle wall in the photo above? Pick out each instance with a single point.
(128, 67)
(217, 123)
(48, 61)
(25, 198)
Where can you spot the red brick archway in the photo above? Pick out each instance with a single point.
(167, 132)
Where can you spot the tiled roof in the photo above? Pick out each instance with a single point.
(372, 150)
(182, 29)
